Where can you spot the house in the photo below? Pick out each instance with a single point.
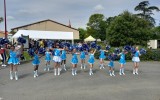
(48, 25)
(154, 44)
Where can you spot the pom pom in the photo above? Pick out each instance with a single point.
(98, 47)
(85, 47)
(41, 51)
(21, 40)
(80, 49)
(133, 50)
(117, 50)
(112, 56)
(50, 43)
(31, 52)
(70, 48)
(93, 45)
(4, 41)
(108, 47)
(143, 51)
(127, 48)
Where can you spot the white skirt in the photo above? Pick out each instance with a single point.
(57, 59)
(135, 59)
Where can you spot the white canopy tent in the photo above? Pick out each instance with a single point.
(90, 38)
(45, 34)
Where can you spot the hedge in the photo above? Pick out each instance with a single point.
(151, 55)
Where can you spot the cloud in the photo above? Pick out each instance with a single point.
(10, 18)
(98, 8)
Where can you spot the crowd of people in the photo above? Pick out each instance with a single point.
(58, 54)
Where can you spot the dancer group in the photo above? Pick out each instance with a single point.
(58, 55)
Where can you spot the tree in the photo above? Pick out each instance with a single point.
(128, 29)
(97, 26)
(146, 11)
(156, 32)
(1, 19)
(82, 33)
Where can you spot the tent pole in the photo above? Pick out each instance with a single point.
(72, 41)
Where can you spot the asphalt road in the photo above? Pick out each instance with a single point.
(100, 86)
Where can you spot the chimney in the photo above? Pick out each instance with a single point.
(69, 24)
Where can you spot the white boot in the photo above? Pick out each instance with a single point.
(103, 66)
(81, 66)
(123, 71)
(73, 71)
(137, 71)
(113, 73)
(90, 73)
(110, 72)
(45, 68)
(34, 74)
(48, 67)
(134, 71)
(120, 71)
(64, 67)
(55, 71)
(11, 75)
(84, 66)
(59, 70)
(16, 76)
(100, 66)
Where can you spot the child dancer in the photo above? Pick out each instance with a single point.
(122, 62)
(74, 62)
(57, 60)
(13, 61)
(48, 59)
(111, 67)
(102, 57)
(82, 57)
(91, 61)
(36, 63)
(136, 61)
(63, 57)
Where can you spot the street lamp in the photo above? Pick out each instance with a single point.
(5, 21)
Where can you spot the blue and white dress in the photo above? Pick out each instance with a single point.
(48, 56)
(91, 59)
(102, 55)
(36, 60)
(63, 55)
(13, 58)
(136, 57)
(57, 54)
(74, 59)
(122, 58)
(82, 55)
(111, 64)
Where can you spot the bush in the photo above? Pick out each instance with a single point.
(151, 55)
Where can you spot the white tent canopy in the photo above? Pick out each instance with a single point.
(90, 38)
(45, 34)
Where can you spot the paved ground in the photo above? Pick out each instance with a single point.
(100, 86)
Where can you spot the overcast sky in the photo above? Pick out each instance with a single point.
(21, 12)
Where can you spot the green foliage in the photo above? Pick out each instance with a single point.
(128, 29)
(1, 19)
(156, 32)
(97, 26)
(82, 33)
(27, 56)
(151, 55)
(146, 11)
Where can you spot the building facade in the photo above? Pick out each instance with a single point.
(48, 25)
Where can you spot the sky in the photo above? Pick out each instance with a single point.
(22, 12)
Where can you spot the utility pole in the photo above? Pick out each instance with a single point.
(5, 20)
